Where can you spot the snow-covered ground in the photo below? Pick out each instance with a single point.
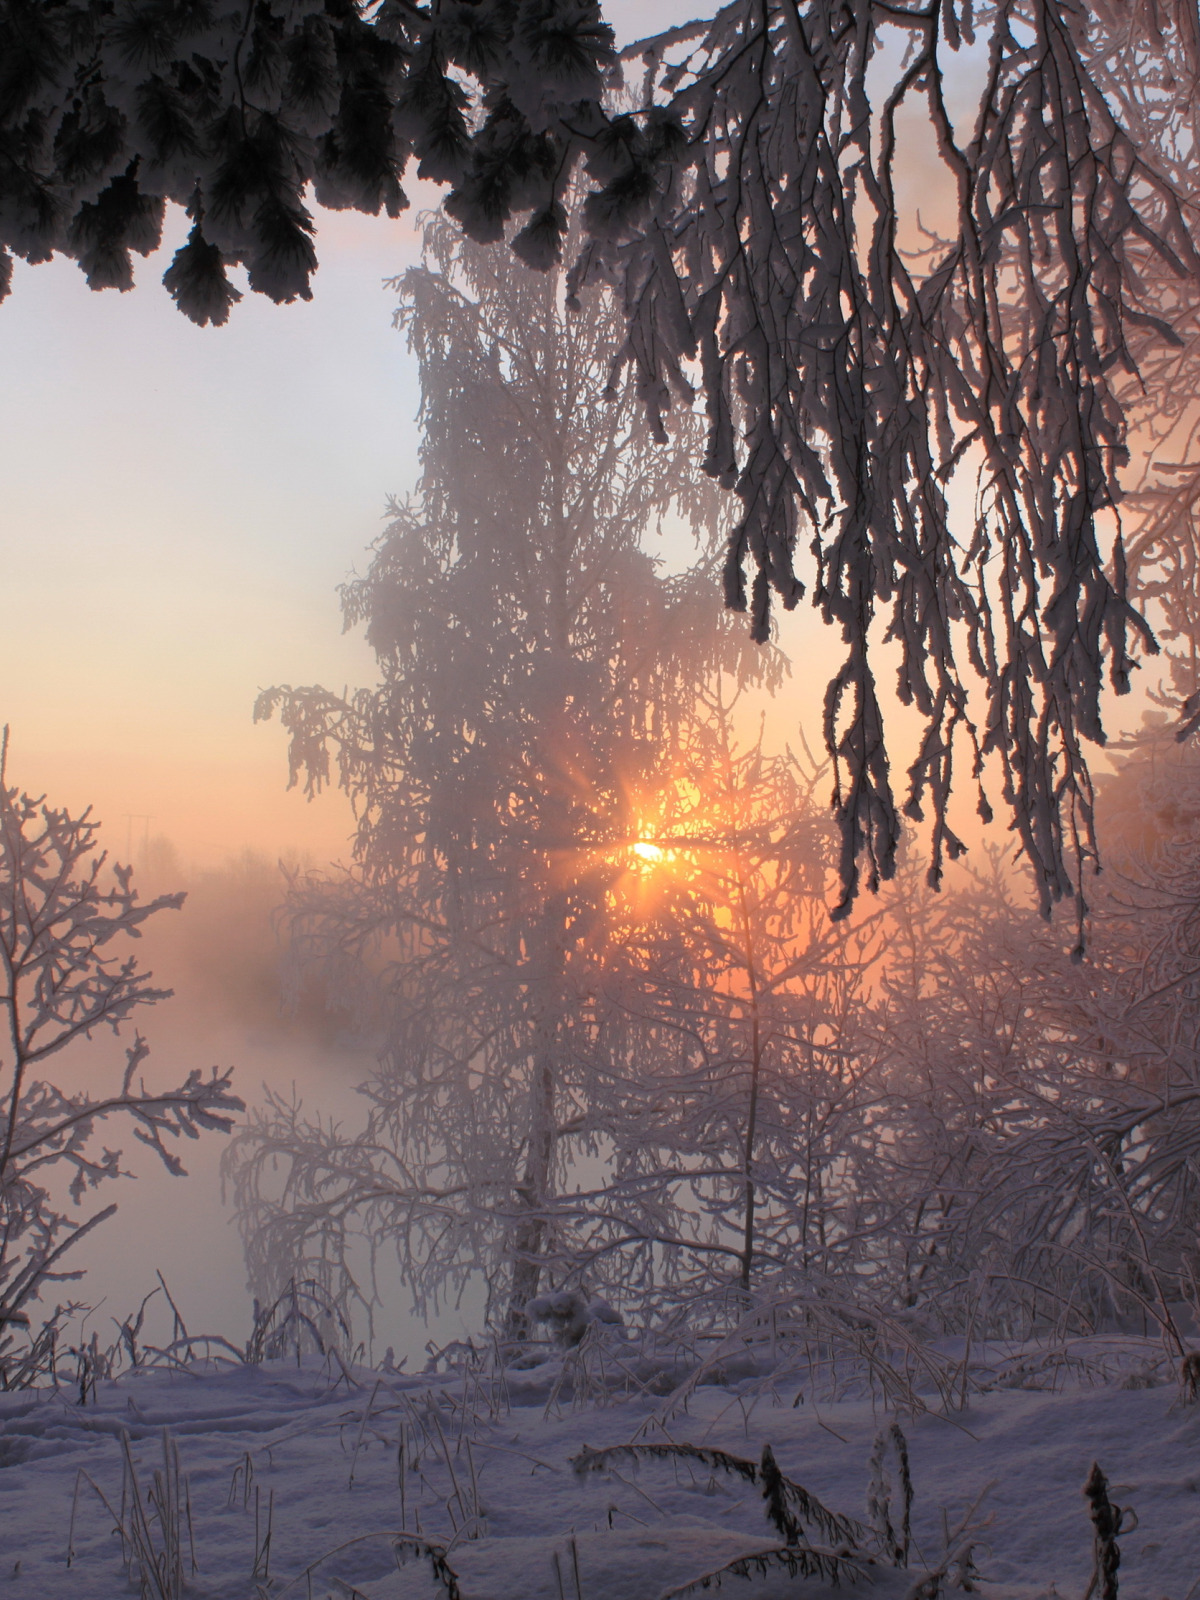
(333, 1464)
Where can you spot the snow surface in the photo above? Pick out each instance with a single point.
(323, 1444)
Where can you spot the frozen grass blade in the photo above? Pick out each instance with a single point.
(366, 1417)
(155, 1528)
(262, 1541)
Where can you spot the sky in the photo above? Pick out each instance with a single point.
(179, 505)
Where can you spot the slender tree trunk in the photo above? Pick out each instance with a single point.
(749, 960)
(748, 1195)
(536, 1183)
(534, 1188)
(532, 1192)
(748, 1200)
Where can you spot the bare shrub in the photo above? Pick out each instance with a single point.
(64, 918)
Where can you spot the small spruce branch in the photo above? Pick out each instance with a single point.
(894, 1542)
(788, 1504)
(403, 1544)
(589, 1460)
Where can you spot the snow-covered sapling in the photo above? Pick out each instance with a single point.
(569, 1315)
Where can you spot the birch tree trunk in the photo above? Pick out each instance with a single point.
(537, 1178)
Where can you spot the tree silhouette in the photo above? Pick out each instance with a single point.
(64, 916)
(534, 664)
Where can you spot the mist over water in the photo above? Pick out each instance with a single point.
(234, 1004)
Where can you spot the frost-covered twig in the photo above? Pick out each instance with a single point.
(1108, 1520)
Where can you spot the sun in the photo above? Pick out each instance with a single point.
(645, 865)
(649, 854)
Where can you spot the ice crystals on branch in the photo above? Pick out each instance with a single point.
(850, 381)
